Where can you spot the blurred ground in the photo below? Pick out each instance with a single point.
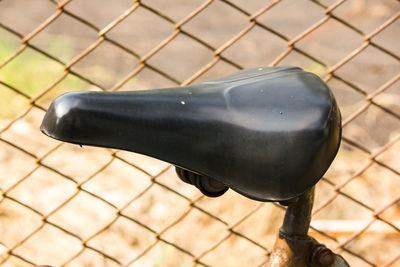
(89, 206)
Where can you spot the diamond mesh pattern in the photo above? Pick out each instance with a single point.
(63, 205)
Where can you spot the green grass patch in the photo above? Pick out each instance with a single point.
(32, 72)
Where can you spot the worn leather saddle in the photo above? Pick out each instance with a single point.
(268, 133)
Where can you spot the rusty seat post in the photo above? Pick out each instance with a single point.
(298, 214)
(293, 247)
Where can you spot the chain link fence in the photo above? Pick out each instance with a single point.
(69, 206)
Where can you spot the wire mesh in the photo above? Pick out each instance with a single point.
(63, 205)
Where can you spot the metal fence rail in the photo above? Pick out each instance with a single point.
(233, 230)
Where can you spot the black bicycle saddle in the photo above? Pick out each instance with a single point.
(268, 133)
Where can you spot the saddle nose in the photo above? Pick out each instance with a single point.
(269, 134)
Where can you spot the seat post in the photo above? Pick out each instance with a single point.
(293, 247)
(298, 215)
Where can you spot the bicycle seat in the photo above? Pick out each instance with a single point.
(269, 133)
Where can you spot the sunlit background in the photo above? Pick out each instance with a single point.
(66, 205)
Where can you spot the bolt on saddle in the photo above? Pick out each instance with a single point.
(268, 133)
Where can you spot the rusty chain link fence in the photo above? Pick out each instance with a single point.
(69, 206)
